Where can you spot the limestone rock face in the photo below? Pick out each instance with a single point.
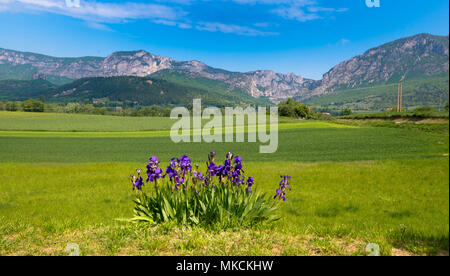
(420, 55)
(417, 56)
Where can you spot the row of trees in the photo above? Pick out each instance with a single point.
(27, 106)
(291, 108)
(422, 109)
(79, 108)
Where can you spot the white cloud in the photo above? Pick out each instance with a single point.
(173, 23)
(98, 26)
(344, 41)
(297, 13)
(98, 15)
(300, 10)
(231, 29)
(95, 11)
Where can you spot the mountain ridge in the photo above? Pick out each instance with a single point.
(389, 63)
(261, 83)
(409, 57)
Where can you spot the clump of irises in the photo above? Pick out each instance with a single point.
(221, 195)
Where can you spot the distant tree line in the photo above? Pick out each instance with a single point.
(294, 109)
(419, 112)
(26, 106)
(291, 108)
(80, 108)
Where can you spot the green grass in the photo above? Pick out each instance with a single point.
(432, 91)
(415, 115)
(22, 121)
(55, 122)
(296, 145)
(352, 185)
(401, 204)
(440, 128)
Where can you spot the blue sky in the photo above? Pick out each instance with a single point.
(306, 37)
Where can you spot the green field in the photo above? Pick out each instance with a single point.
(74, 122)
(352, 185)
(53, 122)
(417, 92)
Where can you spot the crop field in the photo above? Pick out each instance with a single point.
(74, 122)
(48, 122)
(65, 179)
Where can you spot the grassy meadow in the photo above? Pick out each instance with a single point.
(65, 179)
(382, 97)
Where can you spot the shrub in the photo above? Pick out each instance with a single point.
(395, 109)
(33, 106)
(302, 110)
(291, 108)
(322, 116)
(347, 112)
(220, 198)
(424, 109)
(72, 108)
(12, 106)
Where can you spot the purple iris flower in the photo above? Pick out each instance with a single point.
(250, 183)
(185, 163)
(238, 163)
(153, 162)
(221, 171)
(200, 176)
(227, 163)
(153, 172)
(171, 172)
(212, 169)
(238, 180)
(155, 175)
(284, 185)
(285, 181)
(174, 162)
(137, 182)
(178, 181)
(280, 194)
(237, 160)
(225, 170)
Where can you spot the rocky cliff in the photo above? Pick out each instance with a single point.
(417, 56)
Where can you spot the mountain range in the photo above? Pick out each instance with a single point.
(142, 64)
(421, 56)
